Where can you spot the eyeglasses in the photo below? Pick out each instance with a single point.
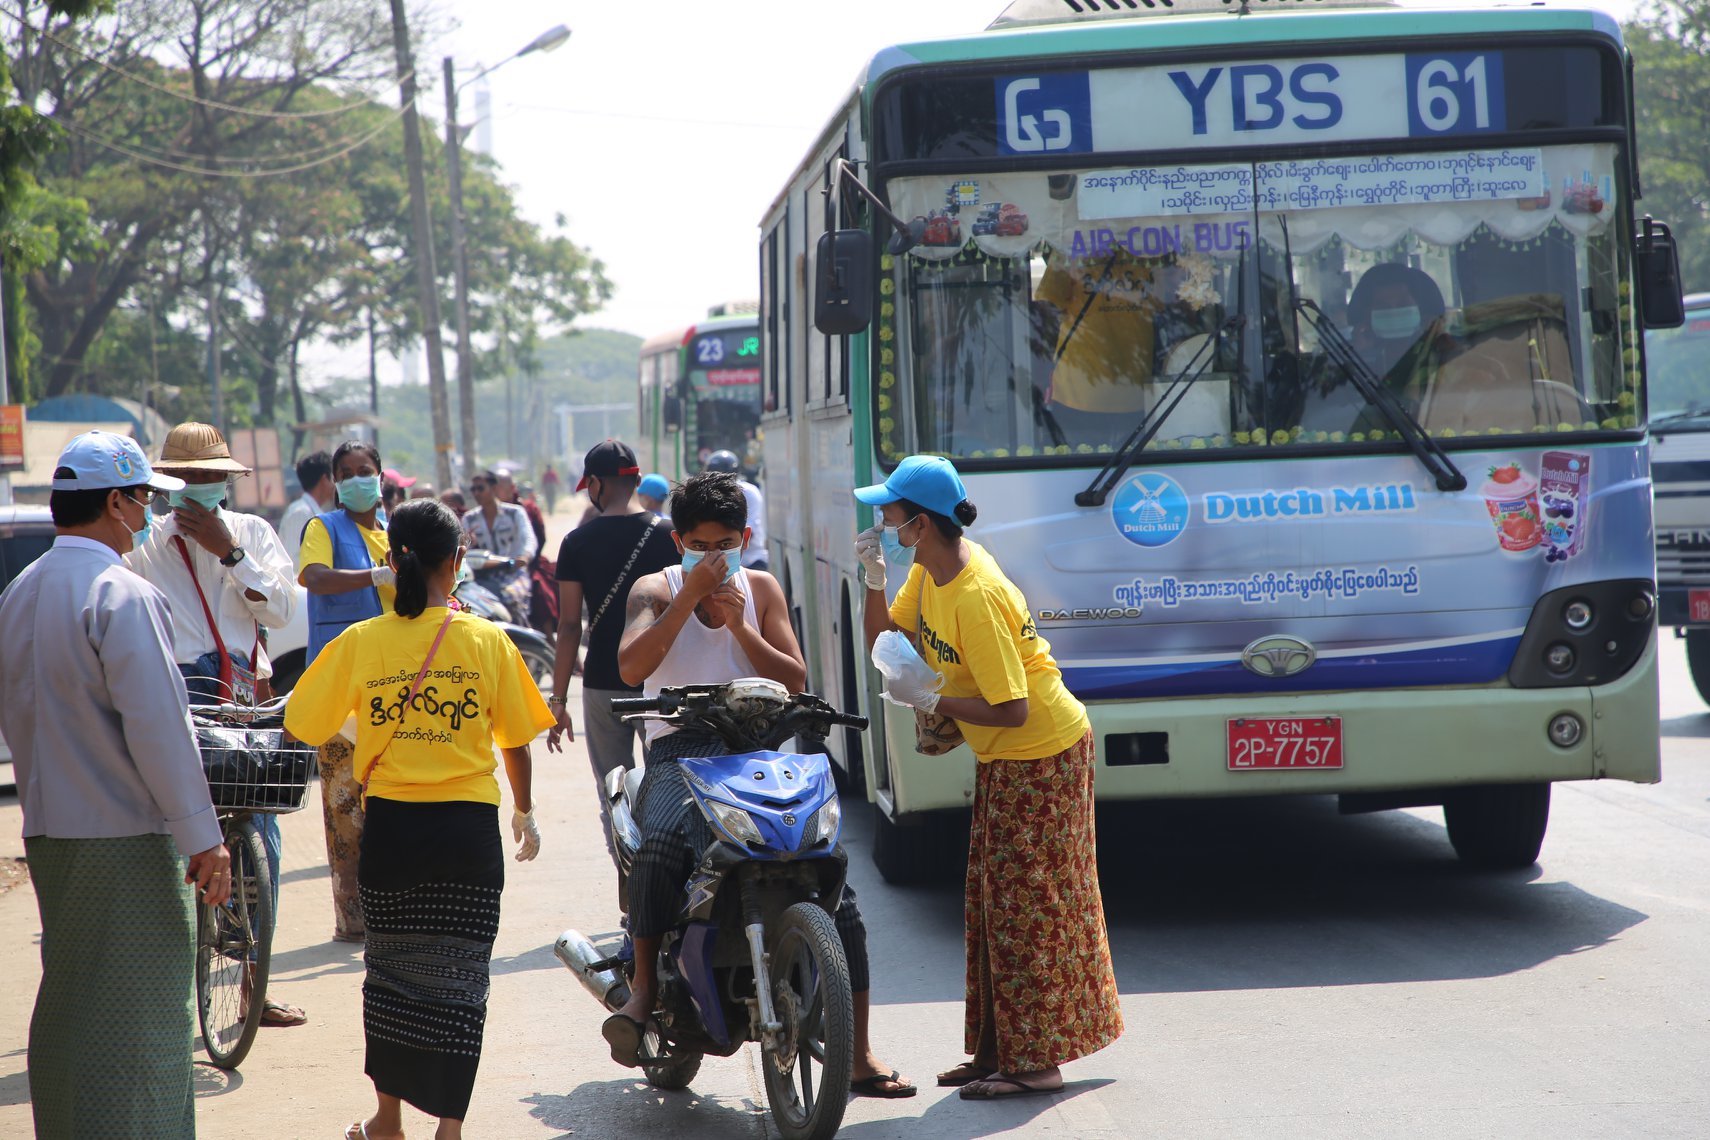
(147, 494)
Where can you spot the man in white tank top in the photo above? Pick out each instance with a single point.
(704, 622)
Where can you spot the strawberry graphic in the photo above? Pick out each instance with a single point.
(1509, 473)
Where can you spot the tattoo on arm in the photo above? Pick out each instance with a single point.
(646, 603)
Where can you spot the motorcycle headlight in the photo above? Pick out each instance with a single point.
(735, 822)
(823, 827)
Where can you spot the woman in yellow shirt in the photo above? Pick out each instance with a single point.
(433, 691)
(1041, 990)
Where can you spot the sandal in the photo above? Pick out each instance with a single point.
(874, 1086)
(1012, 1087)
(964, 1074)
(279, 1014)
(623, 1034)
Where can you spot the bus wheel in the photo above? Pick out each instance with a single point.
(1698, 660)
(903, 854)
(1498, 827)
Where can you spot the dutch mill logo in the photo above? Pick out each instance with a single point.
(1150, 509)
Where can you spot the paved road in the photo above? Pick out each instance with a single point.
(1284, 971)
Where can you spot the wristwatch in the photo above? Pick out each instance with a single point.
(554, 701)
(232, 559)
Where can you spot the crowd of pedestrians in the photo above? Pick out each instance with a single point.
(413, 704)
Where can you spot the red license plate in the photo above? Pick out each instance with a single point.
(1698, 605)
(1292, 743)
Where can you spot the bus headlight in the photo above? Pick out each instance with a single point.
(1566, 730)
(1578, 614)
(1567, 628)
(735, 822)
(1559, 658)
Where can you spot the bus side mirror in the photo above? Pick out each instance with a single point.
(843, 282)
(1660, 301)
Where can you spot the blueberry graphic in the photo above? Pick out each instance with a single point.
(1552, 512)
(1567, 510)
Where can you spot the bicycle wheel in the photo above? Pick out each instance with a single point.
(233, 945)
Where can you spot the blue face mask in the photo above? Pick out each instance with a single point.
(894, 550)
(208, 495)
(138, 537)
(359, 492)
(732, 560)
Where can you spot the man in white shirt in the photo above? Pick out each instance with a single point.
(226, 575)
(113, 798)
(503, 529)
(314, 475)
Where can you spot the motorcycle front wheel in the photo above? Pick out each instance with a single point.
(809, 1064)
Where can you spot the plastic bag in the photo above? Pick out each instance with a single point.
(895, 658)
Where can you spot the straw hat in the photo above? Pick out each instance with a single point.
(198, 447)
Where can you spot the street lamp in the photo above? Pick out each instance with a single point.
(547, 41)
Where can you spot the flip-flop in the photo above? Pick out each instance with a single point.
(361, 1127)
(971, 1090)
(623, 1033)
(964, 1074)
(873, 1086)
(279, 1014)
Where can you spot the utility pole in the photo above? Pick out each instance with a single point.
(460, 263)
(373, 380)
(426, 285)
(216, 399)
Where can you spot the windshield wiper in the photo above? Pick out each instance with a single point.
(1685, 417)
(1337, 347)
(1112, 472)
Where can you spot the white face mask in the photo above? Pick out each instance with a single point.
(1395, 324)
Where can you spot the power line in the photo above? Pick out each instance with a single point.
(662, 118)
(342, 109)
(169, 153)
(140, 156)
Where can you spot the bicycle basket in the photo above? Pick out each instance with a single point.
(254, 769)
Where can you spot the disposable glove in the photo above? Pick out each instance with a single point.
(527, 834)
(870, 550)
(908, 691)
(383, 576)
(909, 680)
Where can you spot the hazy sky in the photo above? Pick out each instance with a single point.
(663, 129)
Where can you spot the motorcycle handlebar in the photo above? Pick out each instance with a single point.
(622, 705)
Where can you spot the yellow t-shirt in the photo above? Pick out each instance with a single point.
(317, 551)
(1106, 363)
(477, 694)
(978, 633)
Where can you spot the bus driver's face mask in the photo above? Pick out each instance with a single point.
(1395, 324)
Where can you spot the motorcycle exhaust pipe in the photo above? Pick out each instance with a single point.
(578, 955)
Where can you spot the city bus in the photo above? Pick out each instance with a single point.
(698, 392)
(1293, 356)
(1677, 364)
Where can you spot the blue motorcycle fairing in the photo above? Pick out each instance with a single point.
(694, 954)
(782, 792)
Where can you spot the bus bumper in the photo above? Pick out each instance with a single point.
(1393, 740)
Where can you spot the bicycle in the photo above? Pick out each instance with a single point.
(251, 770)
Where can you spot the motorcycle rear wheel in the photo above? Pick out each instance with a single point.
(808, 1086)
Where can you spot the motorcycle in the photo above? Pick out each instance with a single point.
(536, 650)
(755, 956)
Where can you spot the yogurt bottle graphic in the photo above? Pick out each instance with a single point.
(1511, 497)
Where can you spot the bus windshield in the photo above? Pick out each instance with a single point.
(1677, 362)
(1044, 314)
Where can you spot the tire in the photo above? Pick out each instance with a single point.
(540, 664)
(233, 940)
(1499, 827)
(1698, 661)
(287, 671)
(672, 1073)
(811, 996)
(905, 856)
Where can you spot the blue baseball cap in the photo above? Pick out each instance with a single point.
(929, 480)
(100, 460)
(654, 486)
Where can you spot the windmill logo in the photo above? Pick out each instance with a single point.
(1150, 509)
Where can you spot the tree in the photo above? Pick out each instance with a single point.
(1671, 53)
